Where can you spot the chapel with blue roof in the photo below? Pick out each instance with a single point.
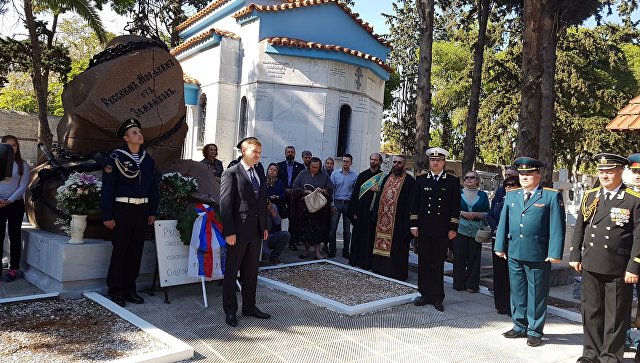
(307, 73)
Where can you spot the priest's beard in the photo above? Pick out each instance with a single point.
(396, 170)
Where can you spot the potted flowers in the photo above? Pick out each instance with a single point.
(79, 196)
(176, 203)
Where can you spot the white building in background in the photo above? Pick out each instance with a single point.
(306, 73)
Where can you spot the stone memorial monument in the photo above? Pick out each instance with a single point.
(134, 77)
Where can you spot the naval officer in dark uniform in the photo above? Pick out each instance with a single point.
(434, 222)
(530, 236)
(606, 248)
(129, 203)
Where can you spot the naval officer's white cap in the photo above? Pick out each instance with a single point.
(437, 153)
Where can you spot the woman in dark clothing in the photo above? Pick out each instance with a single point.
(275, 189)
(501, 289)
(313, 226)
(474, 205)
(210, 153)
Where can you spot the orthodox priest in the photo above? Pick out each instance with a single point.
(392, 237)
(361, 212)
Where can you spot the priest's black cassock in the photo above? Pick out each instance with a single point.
(364, 226)
(397, 211)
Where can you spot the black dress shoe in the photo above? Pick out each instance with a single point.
(331, 255)
(231, 320)
(118, 299)
(438, 305)
(256, 313)
(586, 360)
(293, 248)
(302, 257)
(421, 301)
(514, 334)
(134, 298)
(345, 254)
(534, 341)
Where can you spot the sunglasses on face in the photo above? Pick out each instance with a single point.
(397, 162)
(469, 177)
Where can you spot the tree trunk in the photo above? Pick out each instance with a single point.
(532, 68)
(39, 82)
(423, 100)
(550, 42)
(469, 154)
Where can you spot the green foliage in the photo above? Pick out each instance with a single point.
(18, 94)
(76, 44)
(175, 191)
(595, 79)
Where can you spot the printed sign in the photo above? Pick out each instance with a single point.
(173, 255)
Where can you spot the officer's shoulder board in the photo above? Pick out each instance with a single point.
(591, 191)
(423, 172)
(632, 192)
(552, 190)
(453, 175)
(514, 190)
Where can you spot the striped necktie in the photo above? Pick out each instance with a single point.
(254, 181)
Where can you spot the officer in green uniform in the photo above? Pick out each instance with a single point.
(129, 203)
(531, 236)
(606, 249)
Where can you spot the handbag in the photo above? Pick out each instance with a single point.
(314, 200)
(483, 235)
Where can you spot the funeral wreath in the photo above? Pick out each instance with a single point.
(175, 202)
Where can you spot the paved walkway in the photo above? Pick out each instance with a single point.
(469, 330)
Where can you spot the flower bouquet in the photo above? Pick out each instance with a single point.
(175, 202)
(79, 195)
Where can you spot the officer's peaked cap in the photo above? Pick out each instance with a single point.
(526, 164)
(437, 152)
(126, 125)
(607, 161)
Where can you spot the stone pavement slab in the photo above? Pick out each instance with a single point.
(468, 330)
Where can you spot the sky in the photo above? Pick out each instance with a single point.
(369, 10)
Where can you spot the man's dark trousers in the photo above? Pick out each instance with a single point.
(432, 250)
(616, 307)
(128, 244)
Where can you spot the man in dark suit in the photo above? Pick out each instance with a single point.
(289, 168)
(434, 221)
(606, 248)
(530, 236)
(243, 206)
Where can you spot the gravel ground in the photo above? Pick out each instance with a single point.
(68, 331)
(337, 283)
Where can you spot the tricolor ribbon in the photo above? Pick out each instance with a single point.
(210, 228)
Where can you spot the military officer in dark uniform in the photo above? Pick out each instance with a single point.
(129, 203)
(530, 235)
(606, 248)
(434, 222)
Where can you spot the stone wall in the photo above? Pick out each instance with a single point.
(25, 127)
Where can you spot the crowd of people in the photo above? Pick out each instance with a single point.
(384, 215)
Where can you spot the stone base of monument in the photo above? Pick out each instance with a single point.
(53, 265)
(387, 293)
